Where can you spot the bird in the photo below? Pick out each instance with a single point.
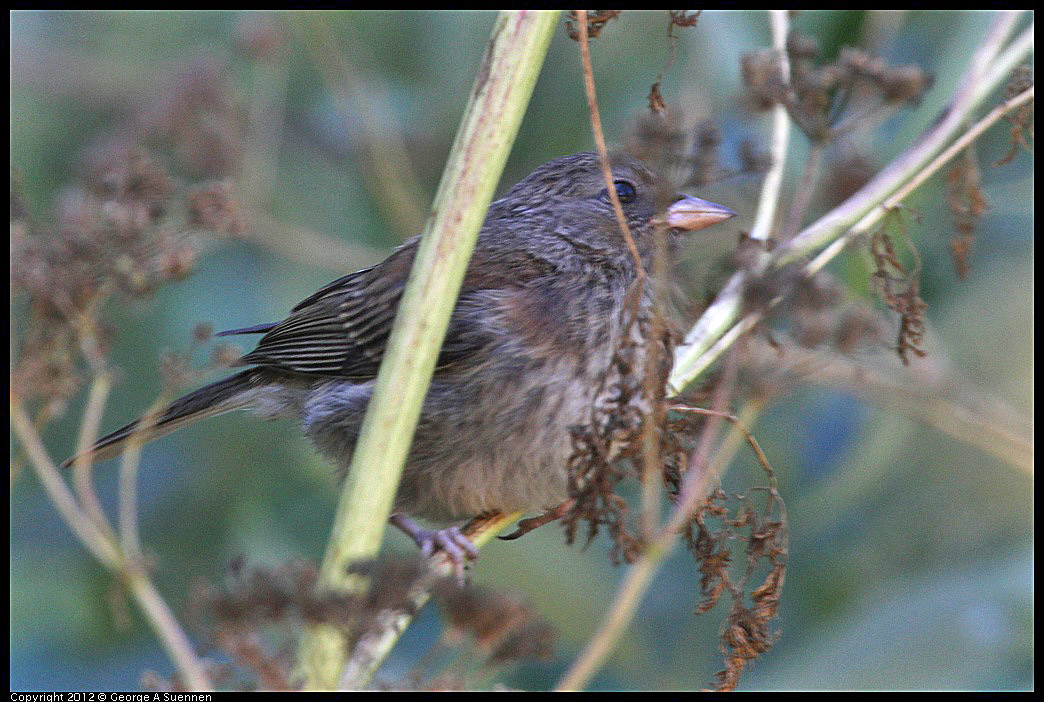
(535, 325)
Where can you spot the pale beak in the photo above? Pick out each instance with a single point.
(692, 214)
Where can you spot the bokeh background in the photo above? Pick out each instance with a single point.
(911, 557)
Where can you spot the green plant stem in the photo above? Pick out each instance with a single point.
(499, 98)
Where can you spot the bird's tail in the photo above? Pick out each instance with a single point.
(234, 392)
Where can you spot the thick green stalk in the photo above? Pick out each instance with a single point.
(498, 100)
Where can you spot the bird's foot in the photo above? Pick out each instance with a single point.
(451, 541)
(527, 525)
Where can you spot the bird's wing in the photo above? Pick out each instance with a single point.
(341, 330)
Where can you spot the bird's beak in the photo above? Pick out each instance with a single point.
(692, 214)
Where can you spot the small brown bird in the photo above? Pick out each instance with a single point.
(535, 327)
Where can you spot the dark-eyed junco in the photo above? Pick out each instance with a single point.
(536, 324)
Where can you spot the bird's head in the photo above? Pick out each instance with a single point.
(569, 199)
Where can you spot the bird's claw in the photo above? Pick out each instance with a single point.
(527, 525)
(451, 541)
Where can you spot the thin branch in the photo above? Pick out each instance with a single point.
(875, 215)
(84, 325)
(92, 416)
(963, 142)
(173, 638)
(599, 137)
(734, 439)
(768, 202)
(128, 492)
(621, 612)
(739, 423)
(105, 550)
(43, 417)
(128, 501)
(84, 528)
(806, 188)
(998, 34)
(702, 471)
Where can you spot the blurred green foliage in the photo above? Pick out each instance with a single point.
(911, 553)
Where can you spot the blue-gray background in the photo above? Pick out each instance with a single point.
(911, 553)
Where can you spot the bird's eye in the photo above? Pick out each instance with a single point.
(624, 190)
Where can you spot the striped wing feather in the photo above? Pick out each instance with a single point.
(342, 328)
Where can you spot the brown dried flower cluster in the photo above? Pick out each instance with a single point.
(199, 117)
(614, 449)
(120, 231)
(829, 99)
(818, 315)
(110, 238)
(813, 310)
(900, 289)
(967, 203)
(1022, 119)
(596, 21)
(689, 158)
(214, 207)
(849, 170)
(503, 627)
(254, 618)
(747, 631)
(608, 450)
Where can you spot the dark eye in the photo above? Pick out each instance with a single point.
(624, 190)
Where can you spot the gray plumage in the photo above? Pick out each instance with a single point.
(538, 318)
